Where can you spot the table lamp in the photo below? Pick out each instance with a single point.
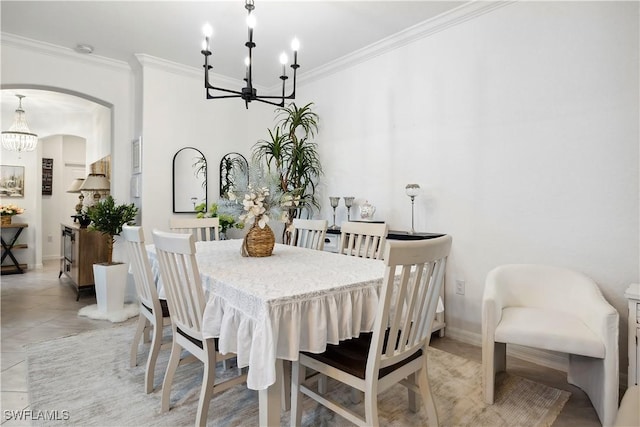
(412, 191)
(96, 182)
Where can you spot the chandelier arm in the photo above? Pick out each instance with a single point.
(210, 87)
(222, 96)
(262, 99)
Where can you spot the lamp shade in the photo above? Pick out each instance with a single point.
(95, 182)
(412, 190)
(75, 185)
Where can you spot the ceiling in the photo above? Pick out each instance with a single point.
(172, 30)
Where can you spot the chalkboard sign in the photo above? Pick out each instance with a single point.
(47, 177)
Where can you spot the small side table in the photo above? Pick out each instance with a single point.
(7, 248)
(633, 295)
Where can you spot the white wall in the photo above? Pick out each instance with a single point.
(521, 126)
(28, 64)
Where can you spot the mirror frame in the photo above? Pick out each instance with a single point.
(206, 200)
(223, 178)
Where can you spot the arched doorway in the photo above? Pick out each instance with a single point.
(62, 119)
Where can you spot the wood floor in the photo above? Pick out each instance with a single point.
(37, 306)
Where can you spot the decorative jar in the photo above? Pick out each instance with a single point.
(367, 210)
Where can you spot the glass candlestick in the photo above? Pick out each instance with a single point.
(348, 202)
(334, 204)
(412, 191)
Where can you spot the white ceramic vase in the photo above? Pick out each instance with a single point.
(111, 283)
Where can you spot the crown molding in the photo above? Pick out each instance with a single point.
(465, 12)
(7, 39)
(185, 70)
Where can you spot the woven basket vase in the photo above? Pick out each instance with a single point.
(258, 242)
(6, 219)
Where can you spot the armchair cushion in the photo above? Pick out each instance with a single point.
(549, 330)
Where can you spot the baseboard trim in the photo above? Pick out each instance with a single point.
(549, 359)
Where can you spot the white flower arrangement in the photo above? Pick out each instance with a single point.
(10, 210)
(257, 198)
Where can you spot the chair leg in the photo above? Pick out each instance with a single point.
(208, 381)
(286, 385)
(154, 350)
(494, 359)
(427, 397)
(413, 402)
(136, 340)
(174, 360)
(297, 373)
(371, 407)
(322, 384)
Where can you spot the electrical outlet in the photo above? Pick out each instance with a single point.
(460, 287)
(49, 239)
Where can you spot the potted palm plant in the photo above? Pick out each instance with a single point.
(110, 277)
(291, 152)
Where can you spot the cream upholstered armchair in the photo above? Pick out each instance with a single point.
(555, 309)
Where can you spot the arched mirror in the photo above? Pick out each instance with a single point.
(231, 165)
(189, 180)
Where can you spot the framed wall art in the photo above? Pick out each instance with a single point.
(47, 177)
(136, 156)
(11, 181)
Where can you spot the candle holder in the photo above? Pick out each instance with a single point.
(348, 202)
(334, 204)
(412, 191)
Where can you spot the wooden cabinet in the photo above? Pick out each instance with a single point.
(633, 296)
(81, 248)
(10, 234)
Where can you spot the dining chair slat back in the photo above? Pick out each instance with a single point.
(202, 229)
(396, 350)
(176, 254)
(362, 239)
(309, 233)
(154, 314)
(181, 279)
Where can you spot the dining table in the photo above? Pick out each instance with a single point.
(268, 309)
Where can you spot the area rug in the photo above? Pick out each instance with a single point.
(87, 378)
(128, 311)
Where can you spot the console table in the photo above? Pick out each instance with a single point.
(81, 248)
(332, 240)
(7, 248)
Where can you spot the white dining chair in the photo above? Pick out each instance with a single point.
(154, 312)
(368, 363)
(202, 229)
(363, 239)
(183, 286)
(309, 233)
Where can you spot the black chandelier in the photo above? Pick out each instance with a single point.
(249, 93)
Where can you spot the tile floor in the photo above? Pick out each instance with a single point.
(37, 306)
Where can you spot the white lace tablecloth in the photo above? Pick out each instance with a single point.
(274, 307)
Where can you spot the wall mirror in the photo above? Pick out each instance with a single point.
(189, 180)
(231, 165)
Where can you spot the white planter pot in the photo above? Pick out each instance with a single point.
(111, 282)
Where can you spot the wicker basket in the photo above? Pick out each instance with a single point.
(6, 219)
(258, 242)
